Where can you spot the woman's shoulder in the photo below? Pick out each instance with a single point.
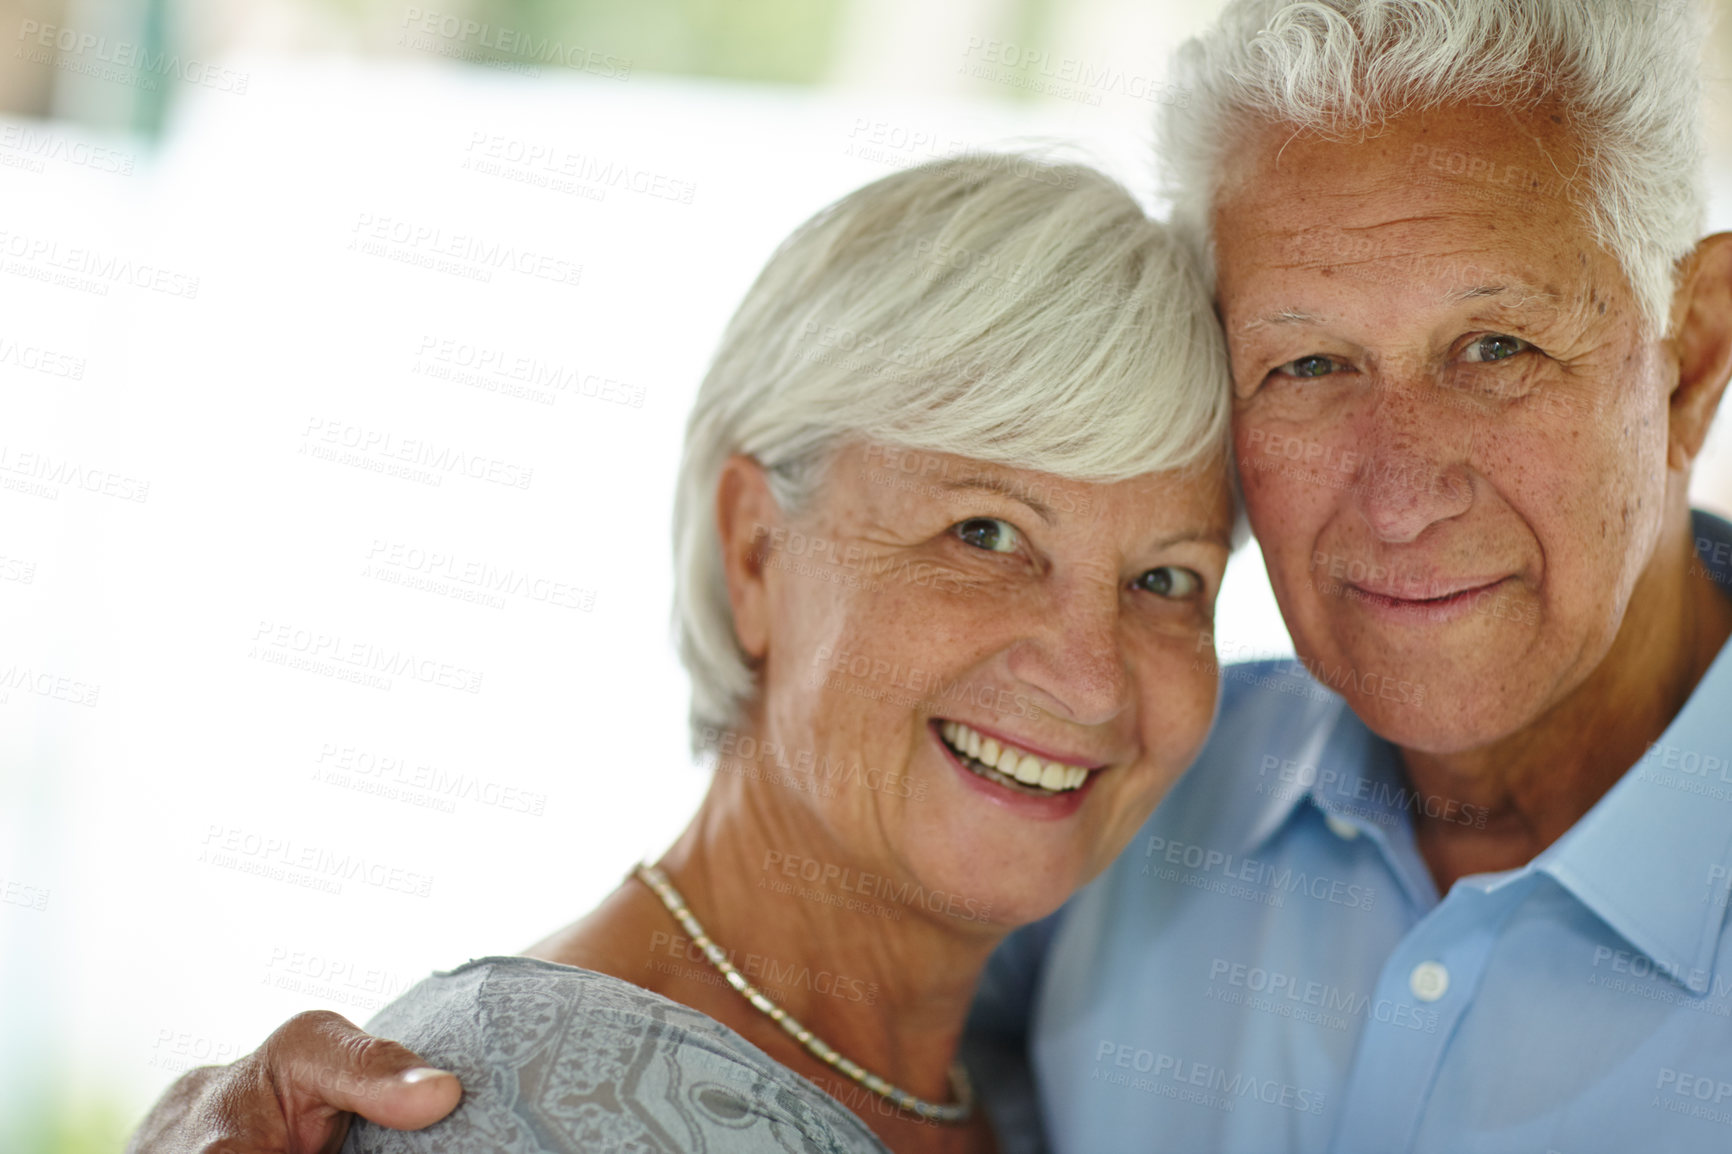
(555, 1058)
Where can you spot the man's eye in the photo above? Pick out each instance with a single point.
(1493, 347)
(1170, 581)
(989, 533)
(1315, 365)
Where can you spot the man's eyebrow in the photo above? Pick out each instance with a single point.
(1523, 293)
(1004, 488)
(1520, 293)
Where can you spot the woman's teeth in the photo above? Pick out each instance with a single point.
(1006, 764)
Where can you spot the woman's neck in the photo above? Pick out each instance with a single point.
(883, 981)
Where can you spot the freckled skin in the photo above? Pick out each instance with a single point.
(1090, 665)
(1560, 471)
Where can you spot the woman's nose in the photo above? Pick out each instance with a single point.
(1073, 656)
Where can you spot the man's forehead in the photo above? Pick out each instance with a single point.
(1465, 159)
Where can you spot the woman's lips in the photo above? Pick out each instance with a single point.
(1030, 801)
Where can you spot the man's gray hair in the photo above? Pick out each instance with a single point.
(1626, 72)
(997, 307)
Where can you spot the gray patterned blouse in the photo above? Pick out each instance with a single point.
(558, 1059)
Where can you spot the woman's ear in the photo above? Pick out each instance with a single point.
(749, 522)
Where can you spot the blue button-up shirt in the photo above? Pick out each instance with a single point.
(1269, 967)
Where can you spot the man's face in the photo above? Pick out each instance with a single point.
(1451, 432)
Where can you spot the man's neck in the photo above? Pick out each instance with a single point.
(1539, 781)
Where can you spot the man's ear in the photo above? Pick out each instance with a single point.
(1702, 342)
(748, 520)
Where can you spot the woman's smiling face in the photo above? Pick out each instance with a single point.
(929, 622)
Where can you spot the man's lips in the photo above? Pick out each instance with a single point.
(1430, 595)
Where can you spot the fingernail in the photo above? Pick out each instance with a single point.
(421, 1074)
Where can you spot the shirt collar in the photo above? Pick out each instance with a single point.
(1653, 858)
(1354, 778)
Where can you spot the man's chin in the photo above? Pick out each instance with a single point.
(1444, 720)
(1437, 698)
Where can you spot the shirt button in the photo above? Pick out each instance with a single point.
(1429, 981)
(1341, 827)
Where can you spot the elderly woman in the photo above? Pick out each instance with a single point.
(950, 526)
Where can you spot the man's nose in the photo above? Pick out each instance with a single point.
(1416, 446)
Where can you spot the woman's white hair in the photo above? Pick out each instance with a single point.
(993, 306)
(1626, 72)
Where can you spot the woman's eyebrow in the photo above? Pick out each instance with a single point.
(1004, 488)
(1283, 317)
(1207, 536)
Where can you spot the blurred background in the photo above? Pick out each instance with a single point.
(256, 253)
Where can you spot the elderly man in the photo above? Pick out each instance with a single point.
(1477, 901)
(1461, 881)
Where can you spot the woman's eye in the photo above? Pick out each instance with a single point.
(1315, 365)
(1170, 581)
(1493, 347)
(989, 533)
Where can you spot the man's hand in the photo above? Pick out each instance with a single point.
(295, 1094)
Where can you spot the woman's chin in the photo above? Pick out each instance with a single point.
(998, 889)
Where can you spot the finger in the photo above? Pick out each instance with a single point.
(321, 1064)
